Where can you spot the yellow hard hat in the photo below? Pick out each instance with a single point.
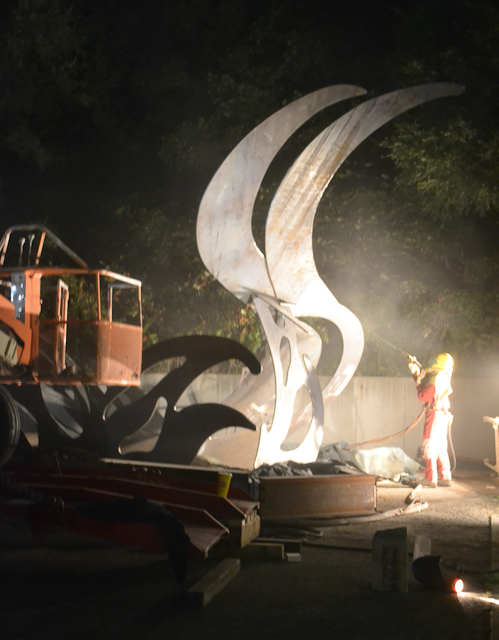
(443, 361)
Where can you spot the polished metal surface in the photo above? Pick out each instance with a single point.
(228, 249)
(296, 372)
(284, 284)
(224, 236)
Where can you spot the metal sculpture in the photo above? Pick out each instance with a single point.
(181, 433)
(284, 284)
(101, 420)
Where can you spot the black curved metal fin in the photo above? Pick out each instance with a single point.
(184, 432)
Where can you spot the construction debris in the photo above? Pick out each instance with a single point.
(201, 593)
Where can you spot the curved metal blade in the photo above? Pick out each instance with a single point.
(288, 245)
(224, 236)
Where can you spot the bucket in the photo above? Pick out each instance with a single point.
(223, 484)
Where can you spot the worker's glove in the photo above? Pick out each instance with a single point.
(413, 364)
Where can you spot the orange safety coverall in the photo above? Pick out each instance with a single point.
(436, 393)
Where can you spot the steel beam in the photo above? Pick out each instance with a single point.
(312, 497)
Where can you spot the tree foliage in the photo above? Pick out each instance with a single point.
(115, 115)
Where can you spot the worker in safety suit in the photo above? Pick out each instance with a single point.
(434, 389)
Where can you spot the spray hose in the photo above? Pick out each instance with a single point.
(451, 445)
(392, 437)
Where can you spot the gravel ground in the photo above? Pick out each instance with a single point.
(457, 519)
(70, 588)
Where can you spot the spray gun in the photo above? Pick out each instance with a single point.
(410, 359)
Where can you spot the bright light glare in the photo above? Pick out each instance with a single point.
(458, 585)
(466, 595)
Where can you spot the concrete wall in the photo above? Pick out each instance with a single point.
(377, 407)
